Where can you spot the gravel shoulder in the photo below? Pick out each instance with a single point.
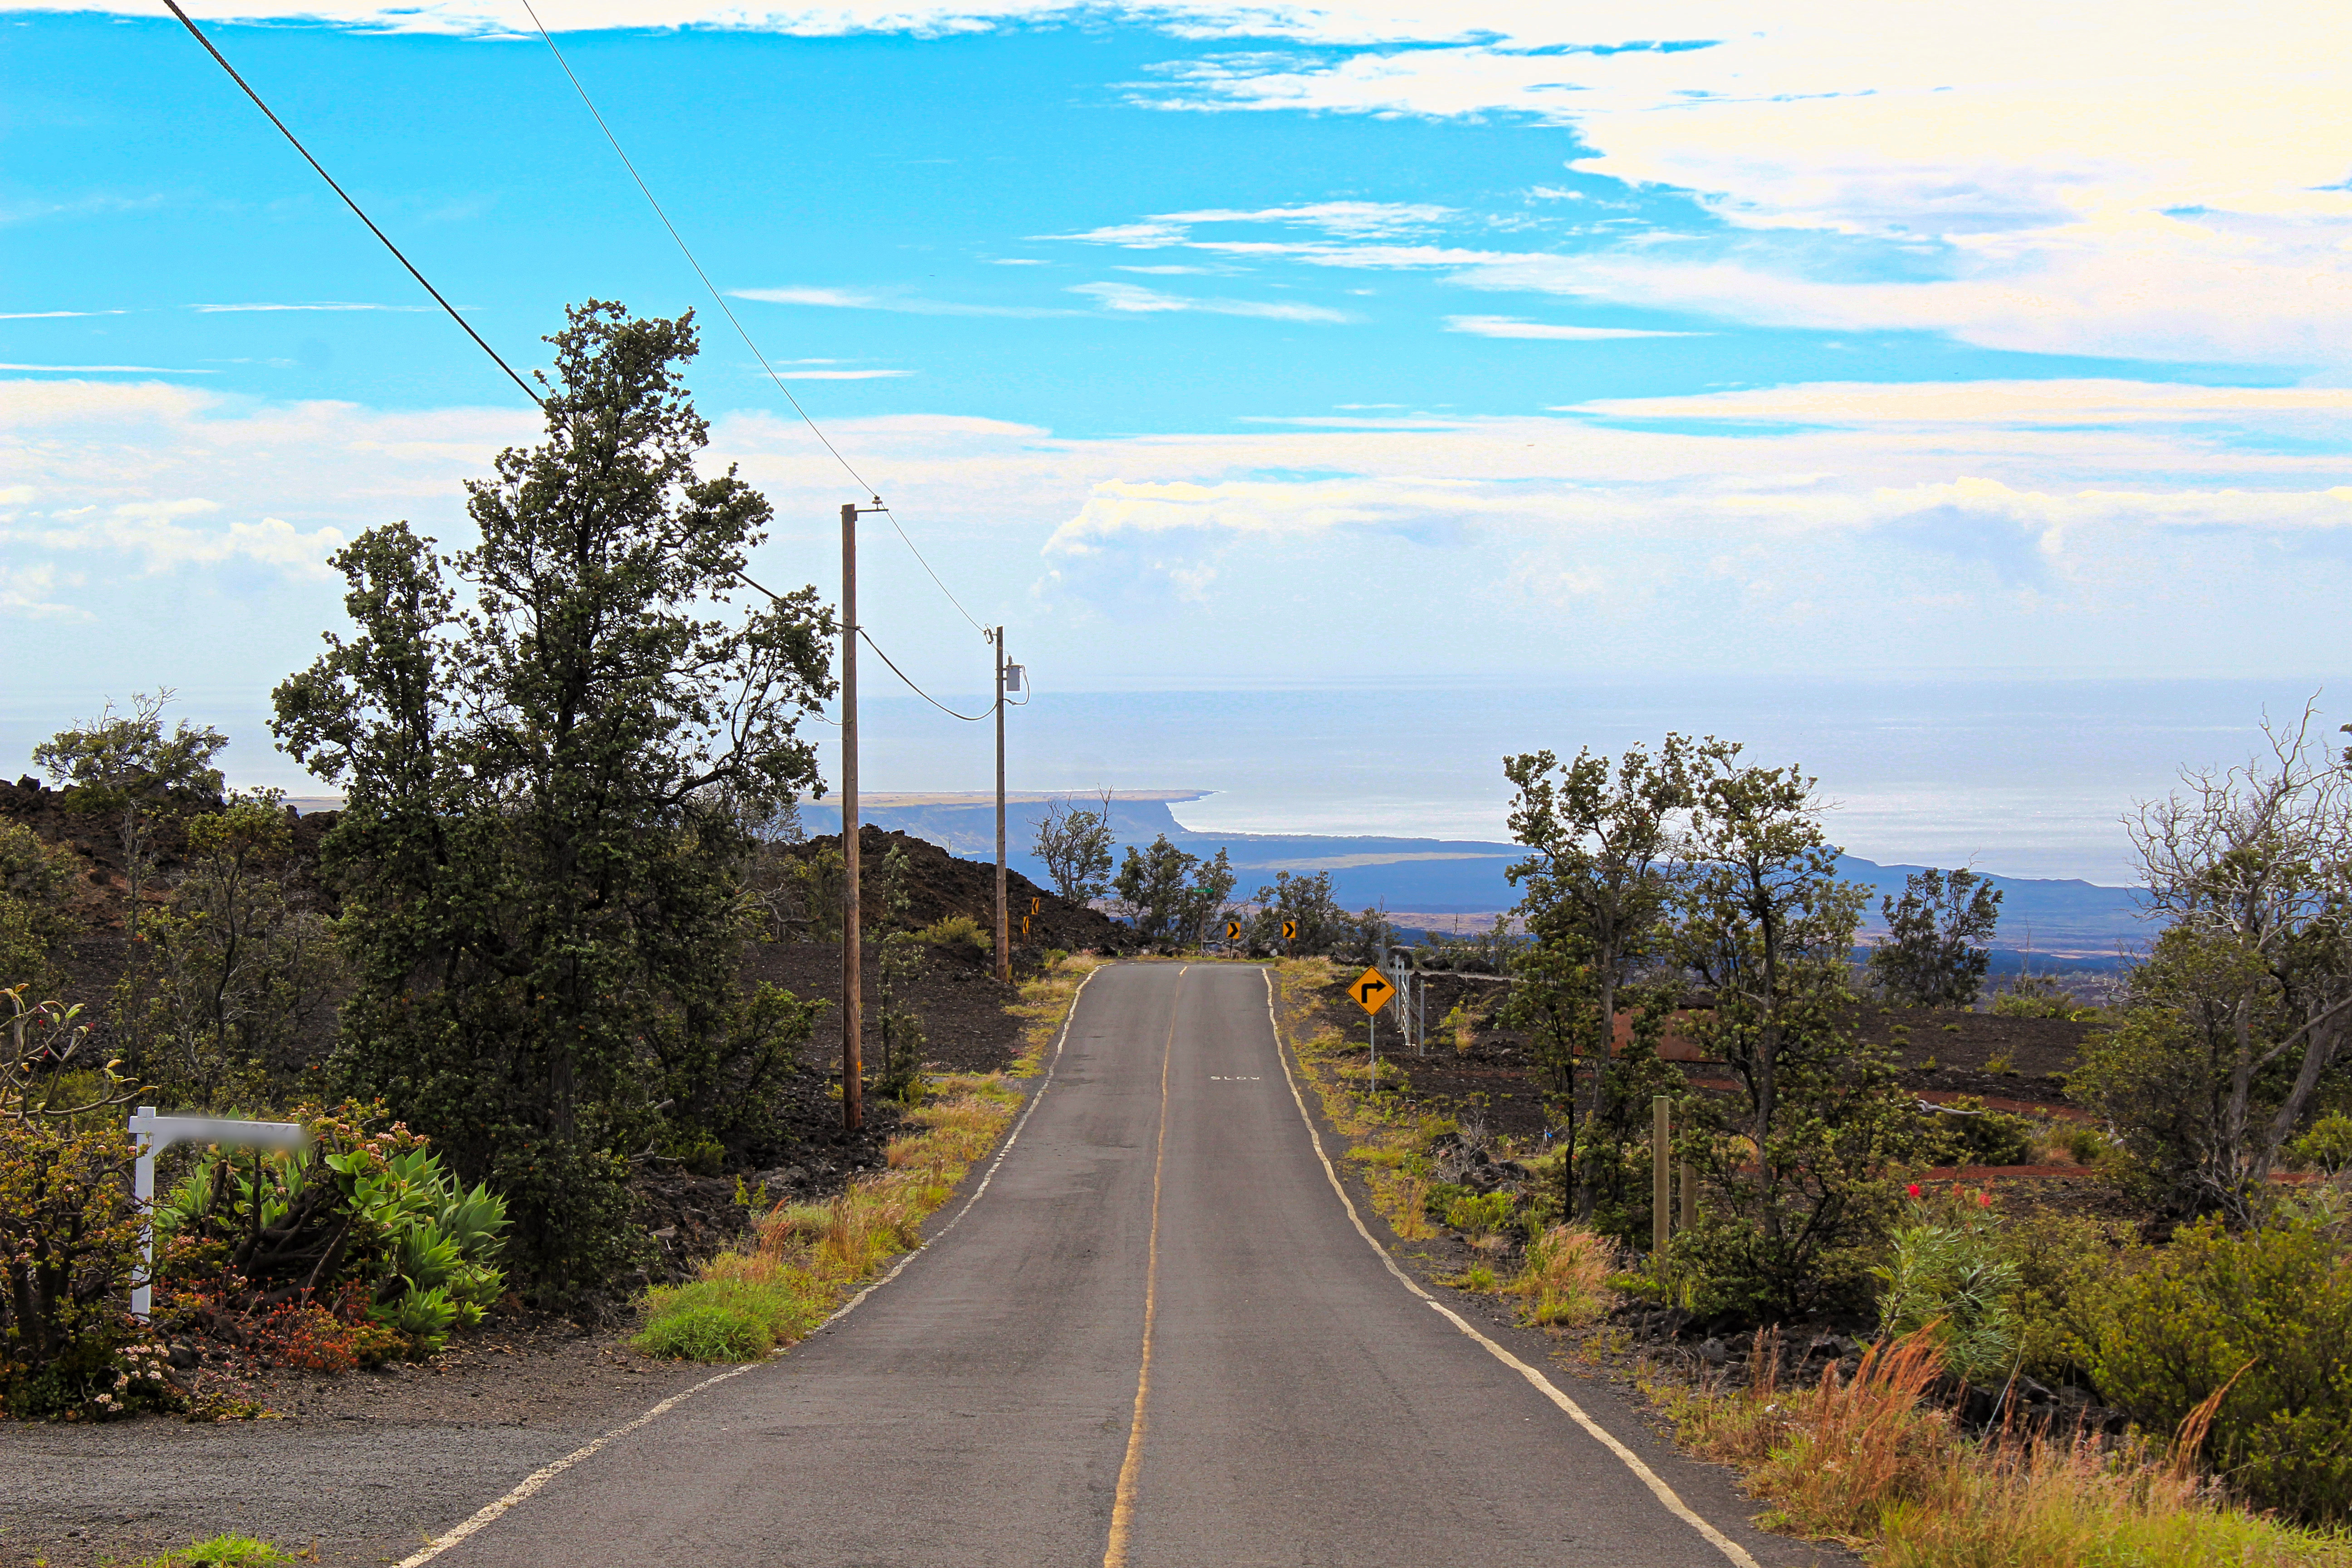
(364, 1467)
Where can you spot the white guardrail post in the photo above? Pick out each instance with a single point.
(156, 1133)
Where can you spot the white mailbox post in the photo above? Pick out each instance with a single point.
(156, 1133)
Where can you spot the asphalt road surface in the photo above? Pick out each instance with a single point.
(1157, 1339)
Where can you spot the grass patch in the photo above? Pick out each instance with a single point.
(1864, 1462)
(1565, 1279)
(225, 1552)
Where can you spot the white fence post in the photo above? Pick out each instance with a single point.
(156, 1133)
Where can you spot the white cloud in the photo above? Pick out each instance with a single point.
(27, 591)
(2083, 525)
(857, 300)
(1511, 327)
(109, 369)
(53, 315)
(1353, 220)
(320, 305)
(2084, 402)
(1133, 298)
(840, 375)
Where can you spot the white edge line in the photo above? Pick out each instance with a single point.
(546, 1473)
(1544, 1385)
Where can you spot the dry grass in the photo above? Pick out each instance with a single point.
(1045, 1003)
(1863, 1462)
(1565, 1279)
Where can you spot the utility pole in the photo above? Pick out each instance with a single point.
(853, 966)
(1003, 925)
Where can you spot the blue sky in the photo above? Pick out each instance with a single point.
(1215, 344)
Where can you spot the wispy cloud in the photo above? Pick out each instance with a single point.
(311, 305)
(1133, 298)
(53, 315)
(904, 304)
(841, 374)
(1511, 327)
(110, 369)
(27, 590)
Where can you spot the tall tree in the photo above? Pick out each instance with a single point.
(1934, 953)
(1802, 1154)
(2246, 1002)
(1597, 889)
(547, 797)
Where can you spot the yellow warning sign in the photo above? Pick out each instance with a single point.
(1232, 931)
(1371, 990)
(1290, 931)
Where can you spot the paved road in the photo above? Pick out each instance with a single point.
(1163, 1221)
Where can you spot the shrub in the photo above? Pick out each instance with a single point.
(2058, 1258)
(1966, 1133)
(959, 931)
(378, 1211)
(1947, 1279)
(1479, 1215)
(2327, 1146)
(2085, 1146)
(2265, 1315)
(2040, 997)
(69, 1231)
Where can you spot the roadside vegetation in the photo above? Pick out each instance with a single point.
(807, 1258)
(1940, 1368)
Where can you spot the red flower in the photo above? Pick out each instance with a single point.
(1984, 1200)
(1913, 1189)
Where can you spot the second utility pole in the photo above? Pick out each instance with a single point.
(853, 976)
(1004, 946)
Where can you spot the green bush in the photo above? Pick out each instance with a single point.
(1969, 1134)
(1948, 1269)
(721, 1320)
(279, 1227)
(2326, 1147)
(1479, 1215)
(2273, 1310)
(2058, 1258)
(2087, 1145)
(959, 931)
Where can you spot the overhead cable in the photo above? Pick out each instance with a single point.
(727, 310)
(362, 216)
(967, 718)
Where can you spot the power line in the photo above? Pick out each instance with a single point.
(727, 310)
(338, 190)
(967, 718)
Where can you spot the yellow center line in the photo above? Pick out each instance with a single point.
(1130, 1471)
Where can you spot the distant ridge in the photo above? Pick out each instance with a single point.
(1439, 878)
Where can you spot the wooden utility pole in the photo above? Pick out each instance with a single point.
(853, 973)
(1003, 925)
